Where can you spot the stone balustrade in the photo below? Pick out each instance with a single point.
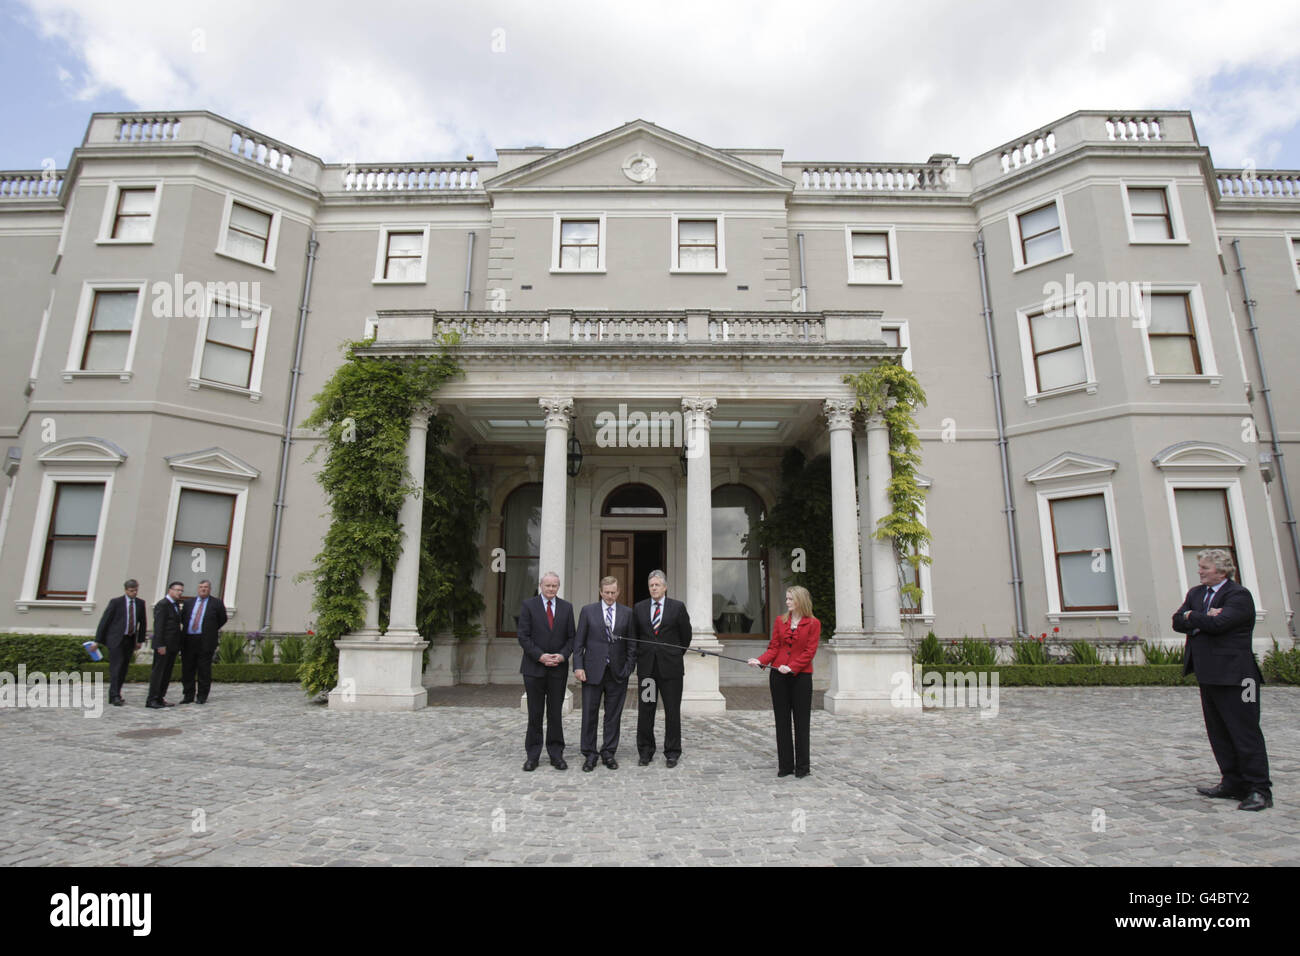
(420, 177)
(867, 177)
(1258, 184)
(31, 184)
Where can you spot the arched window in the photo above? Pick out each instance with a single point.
(634, 501)
(521, 527)
(739, 571)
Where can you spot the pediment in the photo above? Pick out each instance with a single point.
(1072, 465)
(1199, 454)
(640, 156)
(81, 451)
(213, 462)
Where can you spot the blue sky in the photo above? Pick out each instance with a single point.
(821, 80)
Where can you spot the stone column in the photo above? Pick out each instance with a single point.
(885, 597)
(870, 673)
(384, 672)
(555, 489)
(700, 694)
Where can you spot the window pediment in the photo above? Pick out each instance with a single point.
(1199, 454)
(81, 451)
(1071, 465)
(213, 462)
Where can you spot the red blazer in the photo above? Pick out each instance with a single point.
(794, 648)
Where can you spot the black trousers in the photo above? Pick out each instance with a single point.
(792, 705)
(1235, 737)
(668, 690)
(196, 662)
(546, 694)
(161, 675)
(119, 659)
(614, 691)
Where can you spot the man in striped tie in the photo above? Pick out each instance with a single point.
(603, 660)
(660, 670)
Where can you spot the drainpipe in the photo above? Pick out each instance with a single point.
(286, 440)
(469, 263)
(803, 283)
(1279, 462)
(1008, 507)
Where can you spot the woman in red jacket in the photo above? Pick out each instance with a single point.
(794, 642)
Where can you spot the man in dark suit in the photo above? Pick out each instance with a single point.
(122, 629)
(205, 615)
(603, 660)
(1218, 617)
(660, 671)
(168, 627)
(545, 632)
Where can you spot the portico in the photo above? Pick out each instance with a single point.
(612, 441)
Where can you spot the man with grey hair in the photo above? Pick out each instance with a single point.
(660, 671)
(545, 632)
(1218, 617)
(205, 616)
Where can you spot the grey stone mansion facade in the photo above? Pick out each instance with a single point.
(1104, 322)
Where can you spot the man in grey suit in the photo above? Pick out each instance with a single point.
(545, 632)
(122, 630)
(603, 660)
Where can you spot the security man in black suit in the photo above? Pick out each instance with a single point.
(603, 660)
(1218, 617)
(545, 631)
(168, 628)
(660, 671)
(205, 616)
(122, 629)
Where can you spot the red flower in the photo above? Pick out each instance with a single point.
(1056, 630)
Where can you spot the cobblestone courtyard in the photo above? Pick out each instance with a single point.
(262, 776)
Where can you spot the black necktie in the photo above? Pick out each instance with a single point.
(1209, 596)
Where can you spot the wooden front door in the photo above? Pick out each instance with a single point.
(630, 556)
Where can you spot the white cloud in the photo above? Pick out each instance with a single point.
(388, 81)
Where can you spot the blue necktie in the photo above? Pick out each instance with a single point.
(197, 616)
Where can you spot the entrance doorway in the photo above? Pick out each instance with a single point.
(630, 556)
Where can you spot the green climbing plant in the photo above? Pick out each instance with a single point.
(893, 392)
(363, 412)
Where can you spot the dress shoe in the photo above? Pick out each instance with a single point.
(784, 773)
(530, 764)
(802, 773)
(187, 700)
(672, 762)
(117, 702)
(644, 761)
(1220, 791)
(1255, 801)
(611, 763)
(589, 764)
(154, 705)
(201, 700)
(165, 703)
(559, 764)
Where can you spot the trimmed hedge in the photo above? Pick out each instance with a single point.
(48, 653)
(1074, 675)
(221, 673)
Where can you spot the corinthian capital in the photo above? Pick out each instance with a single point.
(699, 409)
(839, 413)
(558, 410)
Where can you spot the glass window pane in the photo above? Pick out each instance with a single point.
(1043, 247)
(738, 597)
(228, 325)
(1148, 230)
(523, 522)
(736, 510)
(204, 517)
(1168, 313)
(1172, 355)
(570, 258)
(891, 337)
(213, 564)
(226, 365)
(250, 220)
(69, 567)
(135, 201)
(870, 244)
(405, 270)
(114, 311)
(697, 231)
(1038, 221)
(1087, 581)
(520, 584)
(1202, 517)
(78, 508)
(1054, 330)
(135, 227)
(1080, 523)
(692, 258)
(579, 233)
(245, 247)
(589, 258)
(1147, 201)
(405, 243)
(1059, 369)
(870, 270)
(107, 351)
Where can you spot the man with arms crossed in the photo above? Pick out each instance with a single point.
(660, 671)
(545, 632)
(1218, 617)
(603, 660)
